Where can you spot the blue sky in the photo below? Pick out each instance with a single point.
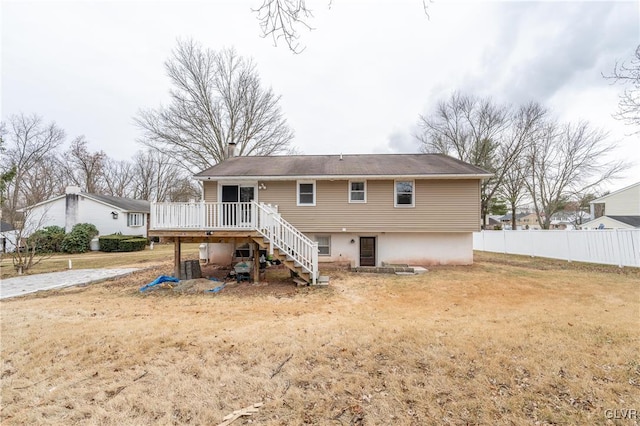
(370, 68)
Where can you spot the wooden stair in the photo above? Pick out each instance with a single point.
(303, 277)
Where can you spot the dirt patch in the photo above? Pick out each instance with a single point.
(217, 281)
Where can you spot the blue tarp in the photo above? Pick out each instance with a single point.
(161, 279)
(217, 289)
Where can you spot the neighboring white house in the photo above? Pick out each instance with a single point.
(109, 214)
(621, 210)
(8, 237)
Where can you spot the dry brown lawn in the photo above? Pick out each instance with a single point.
(509, 340)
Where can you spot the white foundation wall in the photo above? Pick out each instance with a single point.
(434, 248)
(440, 248)
(426, 248)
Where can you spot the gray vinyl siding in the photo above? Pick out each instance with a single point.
(440, 206)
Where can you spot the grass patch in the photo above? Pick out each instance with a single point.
(505, 341)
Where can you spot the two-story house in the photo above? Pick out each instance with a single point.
(418, 209)
(620, 209)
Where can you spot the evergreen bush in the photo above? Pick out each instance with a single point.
(79, 239)
(122, 243)
(47, 240)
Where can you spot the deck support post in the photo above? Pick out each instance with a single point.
(176, 258)
(256, 262)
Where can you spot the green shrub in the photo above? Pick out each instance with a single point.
(134, 244)
(109, 243)
(118, 242)
(79, 239)
(47, 240)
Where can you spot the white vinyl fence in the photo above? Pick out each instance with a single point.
(607, 246)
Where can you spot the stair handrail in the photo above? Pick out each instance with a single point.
(287, 238)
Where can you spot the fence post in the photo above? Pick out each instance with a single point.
(619, 248)
(533, 243)
(504, 241)
(566, 232)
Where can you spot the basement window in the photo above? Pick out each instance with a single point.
(324, 245)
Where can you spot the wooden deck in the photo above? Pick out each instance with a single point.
(203, 236)
(255, 223)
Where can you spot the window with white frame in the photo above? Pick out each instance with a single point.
(306, 193)
(324, 244)
(135, 219)
(357, 191)
(404, 193)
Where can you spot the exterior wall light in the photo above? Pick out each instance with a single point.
(114, 215)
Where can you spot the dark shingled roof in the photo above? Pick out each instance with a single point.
(629, 220)
(4, 226)
(126, 204)
(349, 165)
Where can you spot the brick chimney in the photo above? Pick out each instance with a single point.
(231, 150)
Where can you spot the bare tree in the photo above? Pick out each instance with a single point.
(282, 19)
(628, 74)
(482, 133)
(44, 180)
(85, 169)
(29, 142)
(183, 190)
(567, 159)
(216, 98)
(156, 176)
(513, 188)
(118, 177)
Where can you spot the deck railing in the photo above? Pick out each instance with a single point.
(289, 240)
(240, 216)
(200, 215)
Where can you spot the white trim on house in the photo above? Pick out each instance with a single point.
(240, 183)
(395, 194)
(346, 177)
(350, 189)
(305, 182)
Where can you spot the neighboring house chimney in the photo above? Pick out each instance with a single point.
(231, 150)
(71, 207)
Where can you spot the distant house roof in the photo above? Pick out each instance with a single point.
(121, 203)
(343, 166)
(4, 226)
(493, 221)
(518, 216)
(629, 220)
